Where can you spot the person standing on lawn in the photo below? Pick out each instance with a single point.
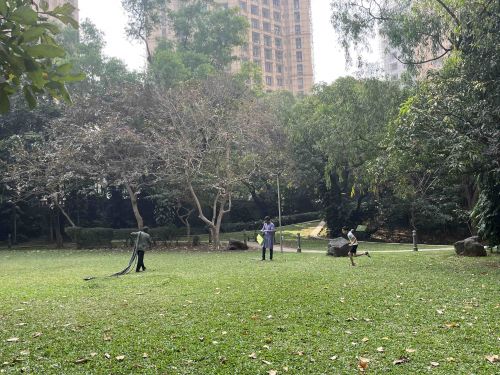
(268, 231)
(353, 243)
(143, 241)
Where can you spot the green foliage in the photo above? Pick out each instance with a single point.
(88, 238)
(164, 233)
(486, 213)
(285, 220)
(337, 132)
(29, 53)
(205, 37)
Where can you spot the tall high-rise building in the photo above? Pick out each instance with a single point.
(279, 41)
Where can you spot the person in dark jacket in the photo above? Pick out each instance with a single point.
(143, 241)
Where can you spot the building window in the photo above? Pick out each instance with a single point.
(269, 67)
(243, 5)
(300, 69)
(254, 10)
(256, 62)
(279, 81)
(279, 55)
(278, 43)
(255, 23)
(269, 80)
(268, 54)
(277, 16)
(297, 29)
(276, 3)
(296, 4)
(298, 56)
(298, 43)
(300, 83)
(266, 13)
(296, 16)
(256, 51)
(279, 68)
(268, 41)
(277, 29)
(256, 37)
(266, 26)
(265, 2)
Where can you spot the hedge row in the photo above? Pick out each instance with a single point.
(90, 237)
(285, 220)
(102, 237)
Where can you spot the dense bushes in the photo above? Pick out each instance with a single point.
(102, 237)
(91, 237)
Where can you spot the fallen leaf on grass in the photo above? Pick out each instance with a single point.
(434, 364)
(252, 356)
(365, 339)
(79, 361)
(450, 359)
(222, 359)
(363, 363)
(380, 349)
(107, 338)
(410, 350)
(492, 358)
(13, 339)
(107, 355)
(299, 353)
(93, 354)
(37, 334)
(21, 324)
(266, 347)
(145, 355)
(333, 358)
(266, 362)
(452, 325)
(24, 352)
(285, 368)
(272, 372)
(120, 358)
(385, 338)
(401, 360)
(440, 312)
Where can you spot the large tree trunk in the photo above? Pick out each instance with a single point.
(64, 212)
(133, 199)
(59, 238)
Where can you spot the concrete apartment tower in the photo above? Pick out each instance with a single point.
(279, 41)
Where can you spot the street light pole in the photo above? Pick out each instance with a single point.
(279, 214)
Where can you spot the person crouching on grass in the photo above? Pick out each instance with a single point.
(143, 242)
(353, 243)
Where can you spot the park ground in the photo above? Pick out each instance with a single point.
(198, 312)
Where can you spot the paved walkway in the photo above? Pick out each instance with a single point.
(316, 231)
(253, 245)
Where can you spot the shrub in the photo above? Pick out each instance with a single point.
(86, 238)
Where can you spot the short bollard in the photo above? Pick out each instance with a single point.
(9, 243)
(415, 247)
(299, 248)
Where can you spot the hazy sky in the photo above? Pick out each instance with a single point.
(329, 62)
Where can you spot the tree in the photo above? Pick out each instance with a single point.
(29, 52)
(111, 143)
(144, 16)
(209, 135)
(338, 130)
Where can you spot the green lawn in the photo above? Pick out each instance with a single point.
(209, 313)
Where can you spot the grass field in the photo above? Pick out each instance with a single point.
(228, 313)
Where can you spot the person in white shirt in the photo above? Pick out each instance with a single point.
(268, 230)
(353, 243)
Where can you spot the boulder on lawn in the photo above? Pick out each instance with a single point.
(470, 247)
(338, 247)
(237, 245)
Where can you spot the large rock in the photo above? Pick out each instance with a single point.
(470, 247)
(237, 245)
(338, 247)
